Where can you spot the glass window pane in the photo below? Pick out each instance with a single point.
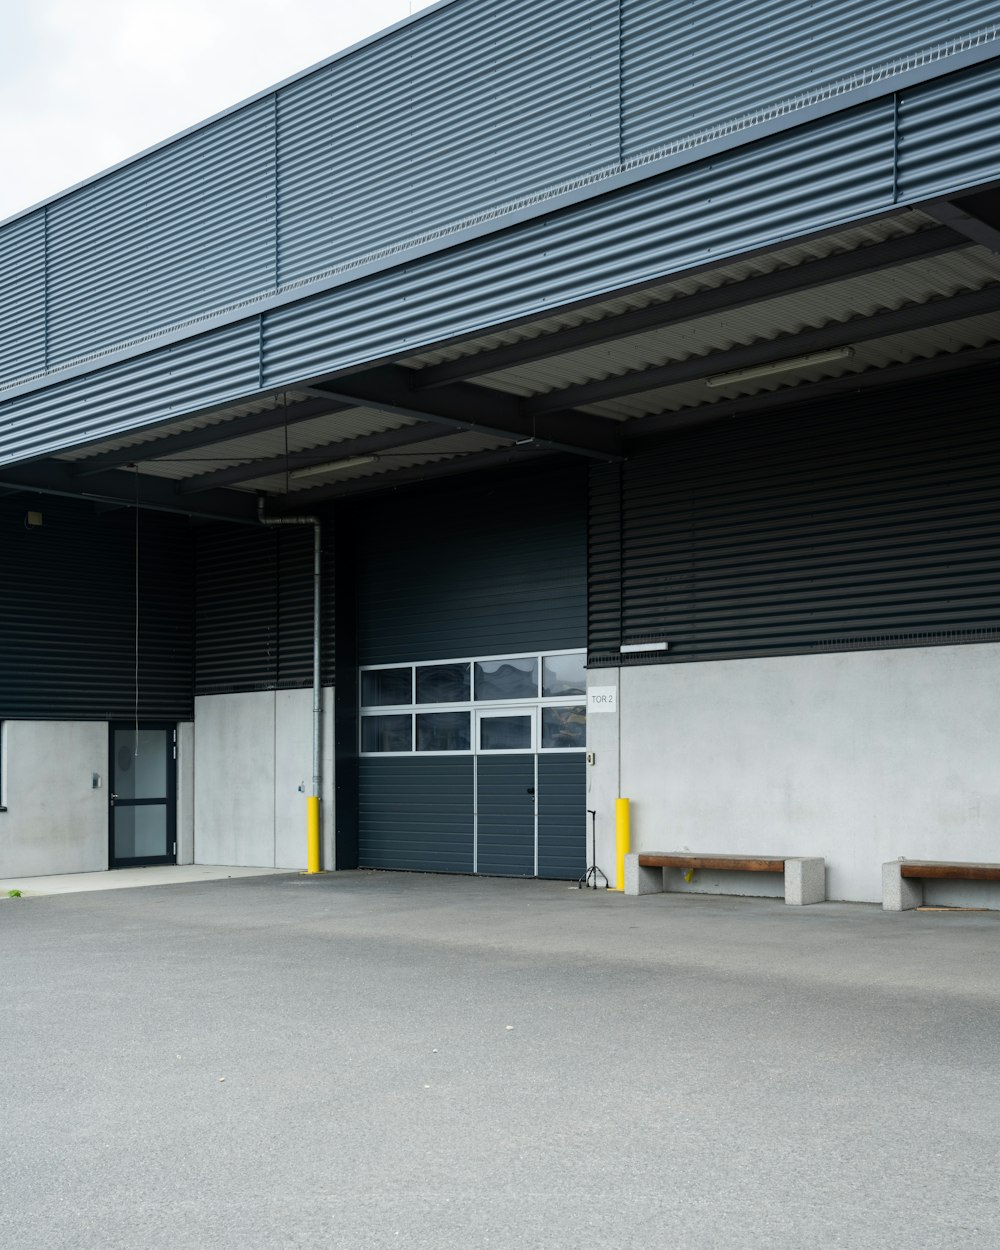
(443, 683)
(386, 686)
(141, 766)
(505, 733)
(386, 733)
(564, 674)
(507, 679)
(564, 727)
(140, 832)
(443, 731)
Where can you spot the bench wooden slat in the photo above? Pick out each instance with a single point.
(949, 871)
(736, 863)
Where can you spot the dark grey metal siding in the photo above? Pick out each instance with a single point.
(416, 813)
(862, 522)
(67, 614)
(505, 802)
(562, 788)
(254, 608)
(486, 566)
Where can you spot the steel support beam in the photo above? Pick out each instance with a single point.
(171, 445)
(474, 408)
(52, 477)
(364, 444)
(810, 274)
(977, 217)
(837, 334)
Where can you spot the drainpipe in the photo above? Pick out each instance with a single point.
(312, 802)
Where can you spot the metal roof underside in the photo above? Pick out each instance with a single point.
(891, 299)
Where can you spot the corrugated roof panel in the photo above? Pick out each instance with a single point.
(865, 295)
(171, 237)
(686, 67)
(758, 196)
(22, 296)
(874, 354)
(908, 222)
(305, 436)
(477, 104)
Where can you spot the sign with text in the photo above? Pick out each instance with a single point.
(602, 699)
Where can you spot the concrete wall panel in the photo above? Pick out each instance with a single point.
(55, 821)
(253, 752)
(860, 757)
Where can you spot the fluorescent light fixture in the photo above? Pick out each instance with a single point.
(779, 366)
(332, 466)
(634, 648)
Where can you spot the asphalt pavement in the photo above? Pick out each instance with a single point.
(369, 1060)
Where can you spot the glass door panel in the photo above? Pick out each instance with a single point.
(143, 799)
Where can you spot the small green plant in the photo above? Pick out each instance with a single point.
(13, 893)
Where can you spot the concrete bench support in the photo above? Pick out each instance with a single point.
(903, 879)
(900, 893)
(805, 878)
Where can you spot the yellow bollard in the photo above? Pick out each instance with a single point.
(623, 840)
(312, 834)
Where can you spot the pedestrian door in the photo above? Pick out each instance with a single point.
(142, 798)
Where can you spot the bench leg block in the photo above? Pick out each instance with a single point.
(639, 880)
(900, 893)
(805, 881)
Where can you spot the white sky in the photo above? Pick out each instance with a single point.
(86, 83)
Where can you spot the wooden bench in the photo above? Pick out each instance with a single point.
(805, 879)
(902, 879)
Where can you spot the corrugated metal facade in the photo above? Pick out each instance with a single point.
(448, 117)
(22, 296)
(68, 614)
(690, 66)
(818, 177)
(477, 568)
(354, 156)
(841, 525)
(254, 608)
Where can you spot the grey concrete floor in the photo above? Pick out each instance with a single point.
(372, 1060)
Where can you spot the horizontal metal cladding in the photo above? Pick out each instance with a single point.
(562, 801)
(205, 372)
(68, 622)
(183, 231)
(416, 813)
(479, 567)
(943, 129)
(687, 67)
(477, 104)
(505, 821)
(22, 296)
(821, 175)
(870, 522)
(254, 609)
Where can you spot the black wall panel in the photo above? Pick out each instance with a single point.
(562, 787)
(68, 613)
(505, 802)
(866, 521)
(479, 566)
(254, 608)
(416, 813)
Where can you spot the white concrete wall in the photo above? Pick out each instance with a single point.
(253, 752)
(860, 757)
(185, 792)
(55, 820)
